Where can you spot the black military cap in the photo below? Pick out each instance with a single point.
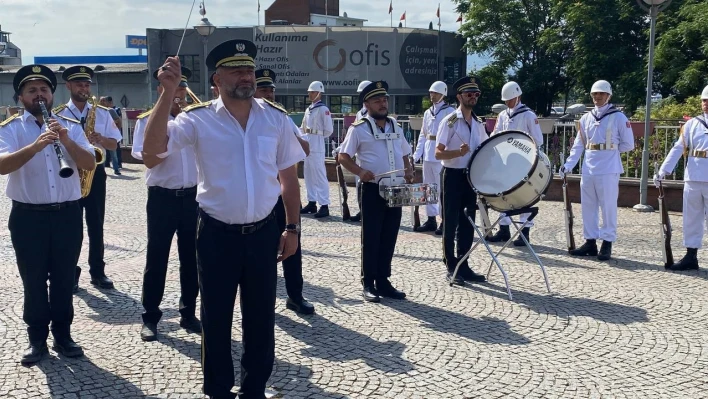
(211, 79)
(373, 90)
(78, 73)
(232, 53)
(34, 72)
(265, 78)
(467, 83)
(186, 74)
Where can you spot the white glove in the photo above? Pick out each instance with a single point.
(561, 172)
(657, 178)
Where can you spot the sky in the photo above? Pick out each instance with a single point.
(81, 27)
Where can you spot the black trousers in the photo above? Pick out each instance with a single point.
(227, 258)
(47, 246)
(292, 266)
(170, 212)
(94, 206)
(458, 200)
(379, 232)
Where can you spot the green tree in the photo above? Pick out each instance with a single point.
(682, 48)
(492, 77)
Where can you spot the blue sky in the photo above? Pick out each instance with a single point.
(71, 27)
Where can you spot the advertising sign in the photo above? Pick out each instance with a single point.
(139, 42)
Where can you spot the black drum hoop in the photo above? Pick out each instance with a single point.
(519, 184)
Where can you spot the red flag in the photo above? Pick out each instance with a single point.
(437, 14)
(390, 7)
(403, 17)
(459, 19)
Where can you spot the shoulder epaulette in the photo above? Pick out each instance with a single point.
(196, 106)
(144, 114)
(8, 120)
(67, 119)
(274, 105)
(359, 122)
(59, 109)
(452, 120)
(102, 107)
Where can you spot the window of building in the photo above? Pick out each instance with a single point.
(193, 62)
(4, 37)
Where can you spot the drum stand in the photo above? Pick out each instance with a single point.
(483, 239)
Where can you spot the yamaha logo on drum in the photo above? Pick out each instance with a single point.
(518, 144)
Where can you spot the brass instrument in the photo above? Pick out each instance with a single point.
(195, 99)
(86, 176)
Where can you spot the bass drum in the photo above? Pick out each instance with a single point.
(509, 171)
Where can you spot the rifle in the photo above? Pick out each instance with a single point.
(568, 214)
(343, 193)
(666, 252)
(416, 215)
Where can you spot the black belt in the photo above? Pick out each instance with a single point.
(45, 207)
(237, 228)
(179, 192)
(455, 170)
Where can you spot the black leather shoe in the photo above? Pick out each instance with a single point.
(605, 251)
(102, 281)
(323, 212)
(191, 324)
(468, 275)
(587, 249)
(68, 348)
(439, 231)
(34, 353)
(502, 235)
(310, 208)
(430, 225)
(301, 306)
(356, 218)
(370, 294)
(149, 332)
(688, 262)
(385, 289)
(519, 242)
(457, 280)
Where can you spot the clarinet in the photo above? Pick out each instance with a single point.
(64, 169)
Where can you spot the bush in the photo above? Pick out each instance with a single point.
(669, 108)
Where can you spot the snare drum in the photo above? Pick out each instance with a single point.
(509, 171)
(411, 194)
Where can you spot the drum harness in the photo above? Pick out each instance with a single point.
(389, 137)
(689, 149)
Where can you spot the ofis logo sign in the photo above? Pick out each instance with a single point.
(370, 57)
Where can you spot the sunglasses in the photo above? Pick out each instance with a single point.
(471, 94)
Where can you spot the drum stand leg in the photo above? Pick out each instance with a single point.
(534, 212)
(483, 240)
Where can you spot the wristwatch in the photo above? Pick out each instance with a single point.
(293, 228)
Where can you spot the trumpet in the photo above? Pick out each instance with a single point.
(64, 169)
(182, 103)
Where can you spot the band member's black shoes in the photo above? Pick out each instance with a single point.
(430, 225)
(502, 235)
(370, 295)
(310, 208)
(67, 347)
(439, 231)
(587, 249)
(191, 324)
(458, 279)
(323, 212)
(301, 306)
(525, 232)
(149, 332)
(605, 251)
(688, 262)
(101, 281)
(356, 218)
(34, 353)
(385, 289)
(468, 275)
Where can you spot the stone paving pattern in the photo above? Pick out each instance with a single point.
(619, 329)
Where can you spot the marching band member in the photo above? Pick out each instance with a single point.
(426, 148)
(380, 146)
(242, 147)
(105, 137)
(694, 144)
(517, 116)
(604, 134)
(45, 221)
(317, 125)
(171, 208)
(292, 266)
(457, 134)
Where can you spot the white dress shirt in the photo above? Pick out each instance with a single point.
(179, 170)
(372, 153)
(237, 169)
(105, 125)
(452, 137)
(38, 181)
(317, 125)
(431, 120)
(694, 137)
(594, 129)
(520, 118)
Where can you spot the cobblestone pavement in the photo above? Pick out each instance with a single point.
(619, 329)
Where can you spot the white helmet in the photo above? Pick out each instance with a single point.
(362, 86)
(704, 95)
(601, 86)
(439, 87)
(316, 86)
(510, 91)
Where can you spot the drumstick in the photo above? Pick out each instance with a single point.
(388, 173)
